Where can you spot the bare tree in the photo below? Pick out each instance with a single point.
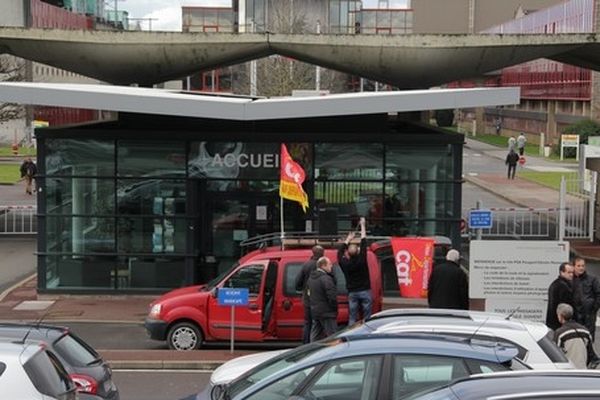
(12, 69)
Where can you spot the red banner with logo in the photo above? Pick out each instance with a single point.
(413, 258)
(291, 178)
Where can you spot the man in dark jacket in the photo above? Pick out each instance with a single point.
(560, 291)
(511, 160)
(448, 284)
(586, 295)
(356, 270)
(322, 292)
(28, 172)
(301, 279)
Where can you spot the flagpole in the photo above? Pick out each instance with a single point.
(282, 233)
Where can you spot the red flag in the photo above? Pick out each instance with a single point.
(291, 178)
(414, 259)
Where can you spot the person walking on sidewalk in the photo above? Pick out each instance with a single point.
(512, 142)
(448, 284)
(301, 279)
(574, 339)
(511, 160)
(28, 172)
(521, 140)
(356, 270)
(322, 292)
(586, 294)
(560, 291)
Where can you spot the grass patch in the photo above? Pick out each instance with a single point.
(10, 173)
(549, 179)
(7, 151)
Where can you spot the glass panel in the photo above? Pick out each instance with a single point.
(151, 196)
(152, 235)
(243, 186)
(419, 200)
(234, 160)
(79, 157)
(357, 161)
(289, 276)
(210, 18)
(355, 378)
(92, 196)
(80, 234)
(247, 277)
(151, 158)
(151, 272)
(80, 272)
(415, 163)
(352, 199)
(417, 372)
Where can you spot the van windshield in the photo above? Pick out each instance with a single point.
(211, 284)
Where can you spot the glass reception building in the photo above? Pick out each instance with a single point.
(148, 203)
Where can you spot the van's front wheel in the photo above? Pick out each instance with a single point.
(184, 336)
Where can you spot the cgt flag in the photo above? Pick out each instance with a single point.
(414, 259)
(291, 179)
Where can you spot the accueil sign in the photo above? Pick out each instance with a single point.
(244, 160)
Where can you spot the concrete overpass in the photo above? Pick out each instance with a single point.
(406, 61)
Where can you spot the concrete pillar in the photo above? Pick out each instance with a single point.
(552, 136)
(595, 101)
(78, 193)
(480, 119)
(414, 197)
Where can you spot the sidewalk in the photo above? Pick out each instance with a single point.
(527, 194)
(13, 195)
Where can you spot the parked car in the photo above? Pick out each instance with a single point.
(189, 316)
(532, 339)
(520, 385)
(366, 367)
(84, 365)
(29, 371)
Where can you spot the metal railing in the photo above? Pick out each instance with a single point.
(18, 220)
(517, 223)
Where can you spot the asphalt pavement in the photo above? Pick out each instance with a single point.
(159, 384)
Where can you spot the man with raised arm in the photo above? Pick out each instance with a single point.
(353, 261)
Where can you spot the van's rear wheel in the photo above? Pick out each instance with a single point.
(184, 336)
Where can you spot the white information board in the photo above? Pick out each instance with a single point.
(532, 310)
(510, 269)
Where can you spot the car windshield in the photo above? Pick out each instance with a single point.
(211, 284)
(75, 352)
(272, 366)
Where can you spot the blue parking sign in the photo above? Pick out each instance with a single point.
(232, 297)
(480, 219)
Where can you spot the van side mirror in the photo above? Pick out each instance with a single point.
(213, 292)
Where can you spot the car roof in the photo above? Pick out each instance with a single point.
(483, 386)
(404, 318)
(32, 331)
(18, 351)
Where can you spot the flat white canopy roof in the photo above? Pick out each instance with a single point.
(169, 102)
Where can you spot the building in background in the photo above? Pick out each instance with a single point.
(59, 14)
(553, 95)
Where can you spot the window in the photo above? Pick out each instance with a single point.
(412, 373)
(79, 157)
(282, 388)
(348, 379)
(47, 375)
(291, 272)
(554, 353)
(151, 158)
(76, 353)
(249, 276)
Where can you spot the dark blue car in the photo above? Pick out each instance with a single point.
(366, 367)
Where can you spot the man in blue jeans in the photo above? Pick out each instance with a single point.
(356, 270)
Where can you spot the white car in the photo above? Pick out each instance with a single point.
(30, 372)
(533, 339)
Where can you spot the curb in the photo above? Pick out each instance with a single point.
(165, 364)
(15, 286)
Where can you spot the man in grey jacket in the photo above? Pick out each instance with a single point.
(572, 337)
(322, 292)
(301, 286)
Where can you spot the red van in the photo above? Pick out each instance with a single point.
(190, 316)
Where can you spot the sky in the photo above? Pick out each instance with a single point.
(168, 12)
